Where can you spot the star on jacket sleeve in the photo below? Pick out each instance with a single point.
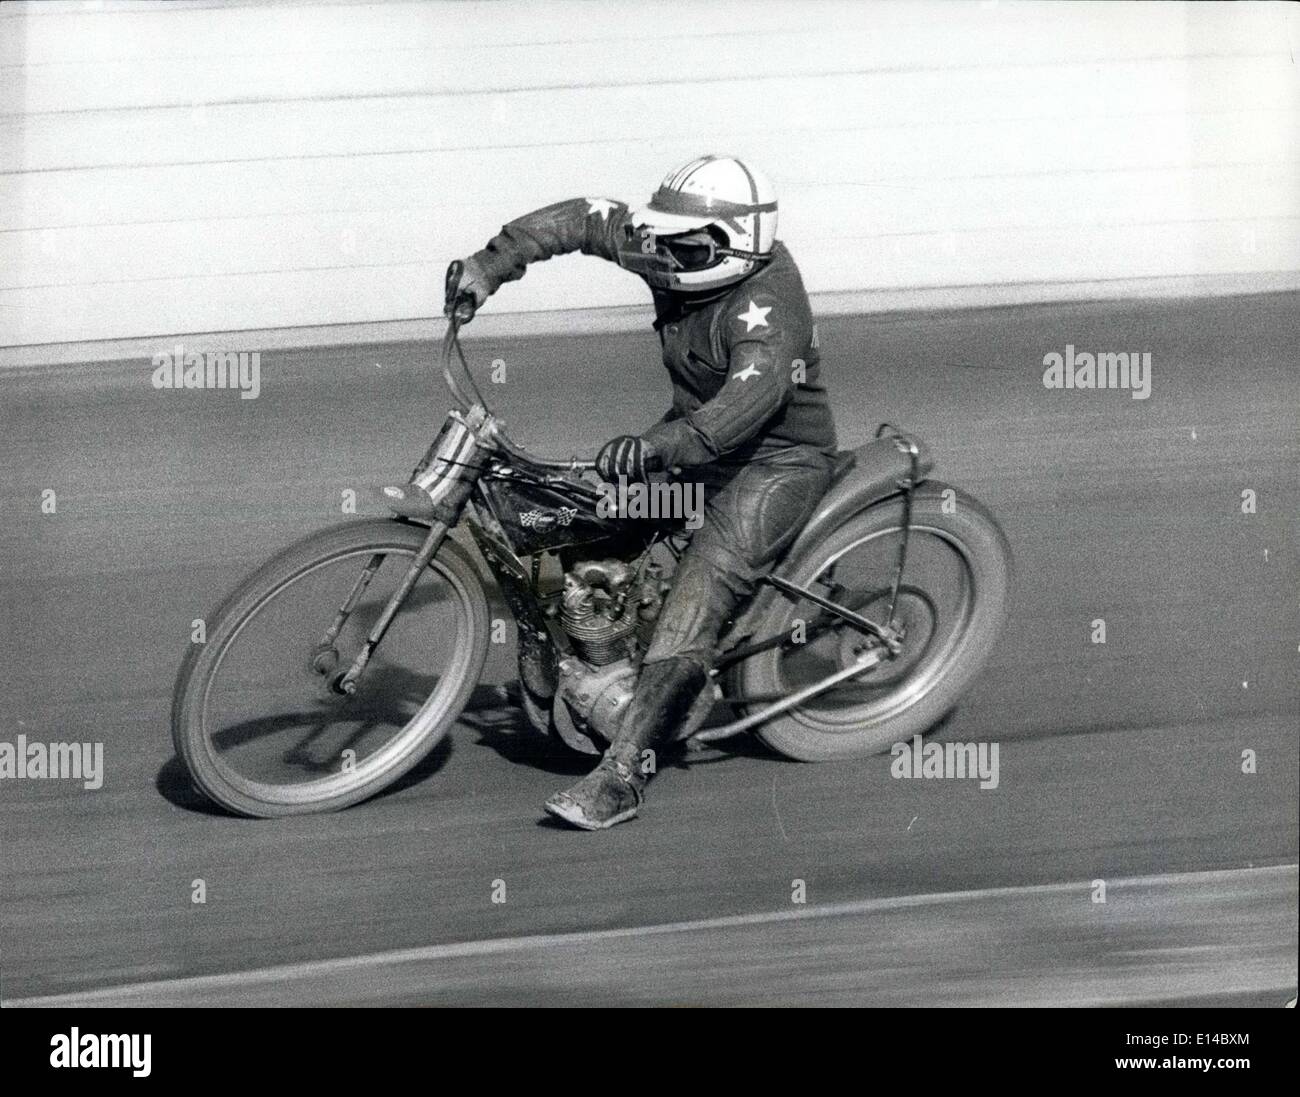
(589, 225)
(763, 337)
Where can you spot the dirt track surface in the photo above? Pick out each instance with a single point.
(1119, 762)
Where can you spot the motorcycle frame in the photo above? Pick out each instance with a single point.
(473, 447)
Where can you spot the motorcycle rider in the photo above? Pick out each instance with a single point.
(749, 418)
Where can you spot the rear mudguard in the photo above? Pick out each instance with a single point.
(879, 470)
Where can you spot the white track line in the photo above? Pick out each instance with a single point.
(496, 946)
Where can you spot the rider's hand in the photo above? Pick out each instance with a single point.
(467, 293)
(628, 456)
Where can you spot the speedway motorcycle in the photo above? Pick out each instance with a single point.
(339, 665)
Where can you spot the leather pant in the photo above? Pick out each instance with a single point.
(752, 514)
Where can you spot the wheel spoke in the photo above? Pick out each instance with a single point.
(272, 719)
(256, 719)
(933, 605)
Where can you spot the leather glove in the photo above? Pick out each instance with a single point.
(628, 456)
(467, 289)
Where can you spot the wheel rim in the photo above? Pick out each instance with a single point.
(938, 625)
(322, 724)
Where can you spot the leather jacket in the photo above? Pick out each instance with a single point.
(743, 360)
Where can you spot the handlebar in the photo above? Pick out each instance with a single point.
(457, 305)
(451, 342)
(474, 398)
(454, 270)
(511, 449)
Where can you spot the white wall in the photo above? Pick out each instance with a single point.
(196, 167)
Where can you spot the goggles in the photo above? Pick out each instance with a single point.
(683, 252)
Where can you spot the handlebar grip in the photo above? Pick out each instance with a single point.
(454, 270)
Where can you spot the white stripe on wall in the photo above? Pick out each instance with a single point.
(190, 167)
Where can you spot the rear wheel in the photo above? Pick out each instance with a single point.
(256, 717)
(951, 608)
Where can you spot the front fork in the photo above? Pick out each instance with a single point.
(446, 474)
(346, 683)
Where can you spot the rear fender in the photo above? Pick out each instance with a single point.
(879, 471)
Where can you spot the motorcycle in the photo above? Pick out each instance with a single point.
(339, 665)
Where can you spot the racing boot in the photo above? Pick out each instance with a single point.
(613, 791)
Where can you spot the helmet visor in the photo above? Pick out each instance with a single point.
(646, 253)
(690, 250)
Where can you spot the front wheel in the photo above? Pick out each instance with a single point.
(951, 608)
(257, 717)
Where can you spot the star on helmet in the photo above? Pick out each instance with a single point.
(749, 371)
(754, 316)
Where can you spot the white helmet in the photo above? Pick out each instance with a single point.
(710, 223)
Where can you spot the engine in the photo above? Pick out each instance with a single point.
(608, 614)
